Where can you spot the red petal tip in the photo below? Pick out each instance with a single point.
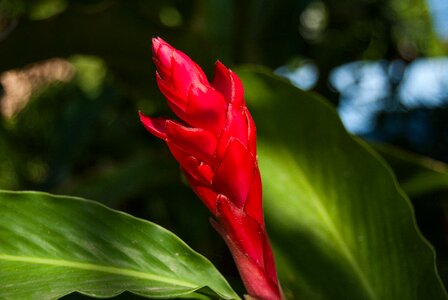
(156, 43)
(228, 84)
(162, 53)
(154, 125)
(220, 65)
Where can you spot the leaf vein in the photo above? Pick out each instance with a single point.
(96, 267)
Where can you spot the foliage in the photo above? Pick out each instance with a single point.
(68, 244)
(316, 179)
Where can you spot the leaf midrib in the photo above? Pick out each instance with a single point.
(328, 221)
(96, 267)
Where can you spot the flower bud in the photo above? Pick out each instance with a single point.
(214, 142)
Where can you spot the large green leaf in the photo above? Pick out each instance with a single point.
(418, 175)
(51, 246)
(341, 227)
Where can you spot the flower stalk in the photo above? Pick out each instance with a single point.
(215, 144)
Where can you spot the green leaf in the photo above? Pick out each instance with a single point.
(340, 226)
(418, 175)
(51, 246)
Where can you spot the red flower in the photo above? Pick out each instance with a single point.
(215, 145)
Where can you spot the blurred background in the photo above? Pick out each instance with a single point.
(73, 75)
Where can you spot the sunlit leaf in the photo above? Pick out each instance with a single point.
(51, 246)
(340, 226)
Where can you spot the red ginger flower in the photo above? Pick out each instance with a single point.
(215, 145)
